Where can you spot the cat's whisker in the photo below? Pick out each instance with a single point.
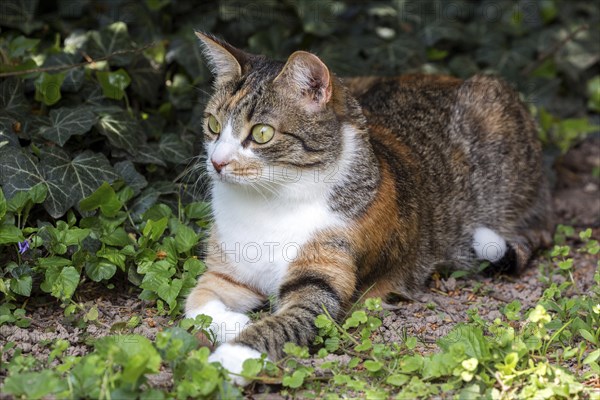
(262, 185)
(258, 190)
(201, 183)
(191, 167)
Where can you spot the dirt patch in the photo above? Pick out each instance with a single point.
(577, 193)
(576, 202)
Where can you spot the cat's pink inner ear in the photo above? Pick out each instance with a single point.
(224, 60)
(309, 74)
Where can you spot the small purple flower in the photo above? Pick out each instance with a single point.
(23, 246)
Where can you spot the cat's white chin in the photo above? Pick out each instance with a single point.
(232, 357)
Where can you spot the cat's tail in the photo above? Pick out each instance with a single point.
(509, 254)
(489, 245)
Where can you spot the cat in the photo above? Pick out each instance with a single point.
(324, 190)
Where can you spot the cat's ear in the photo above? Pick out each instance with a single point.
(306, 73)
(224, 60)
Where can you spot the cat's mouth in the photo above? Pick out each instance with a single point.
(239, 176)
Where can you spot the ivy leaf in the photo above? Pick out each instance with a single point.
(7, 137)
(109, 40)
(90, 170)
(92, 93)
(19, 171)
(146, 79)
(579, 55)
(47, 87)
(21, 45)
(132, 178)
(144, 201)
(187, 52)
(12, 99)
(113, 83)
(122, 131)
(74, 77)
(149, 154)
(20, 14)
(66, 122)
(78, 178)
(172, 148)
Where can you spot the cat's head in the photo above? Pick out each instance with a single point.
(270, 124)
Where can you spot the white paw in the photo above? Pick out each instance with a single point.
(226, 325)
(488, 245)
(232, 357)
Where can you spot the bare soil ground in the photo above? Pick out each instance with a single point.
(576, 202)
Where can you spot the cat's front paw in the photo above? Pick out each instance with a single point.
(232, 357)
(226, 325)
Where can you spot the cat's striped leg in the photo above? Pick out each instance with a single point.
(325, 279)
(226, 301)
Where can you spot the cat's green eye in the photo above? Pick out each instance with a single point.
(213, 125)
(262, 133)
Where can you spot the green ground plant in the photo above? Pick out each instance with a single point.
(157, 255)
(476, 360)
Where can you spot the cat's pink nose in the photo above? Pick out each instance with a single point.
(218, 165)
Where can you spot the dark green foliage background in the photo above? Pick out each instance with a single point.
(76, 130)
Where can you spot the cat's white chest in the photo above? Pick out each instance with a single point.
(258, 239)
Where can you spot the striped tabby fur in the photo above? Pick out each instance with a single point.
(392, 178)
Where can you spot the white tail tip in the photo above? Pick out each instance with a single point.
(488, 245)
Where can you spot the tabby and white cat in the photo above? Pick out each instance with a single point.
(324, 189)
